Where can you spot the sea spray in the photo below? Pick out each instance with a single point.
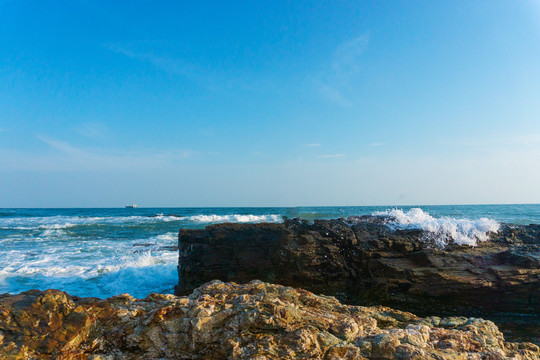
(98, 256)
(443, 230)
(104, 252)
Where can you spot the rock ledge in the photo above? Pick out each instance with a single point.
(226, 320)
(363, 261)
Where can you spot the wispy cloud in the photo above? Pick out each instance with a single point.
(312, 145)
(171, 65)
(185, 66)
(92, 130)
(59, 145)
(333, 82)
(346, 57)
(330, 156)
(377, 144)
(66, 156)
(334, 95)
(167, 64)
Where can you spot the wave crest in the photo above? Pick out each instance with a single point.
(444, 230)
(65, 222)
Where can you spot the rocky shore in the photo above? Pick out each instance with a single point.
(351, 262)
(362, 260)
(226, 320)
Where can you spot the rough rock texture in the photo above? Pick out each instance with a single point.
(226, 320)
(363, 261)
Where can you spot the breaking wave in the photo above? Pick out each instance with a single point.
(64, 222)
(444, 230)
(99, 268)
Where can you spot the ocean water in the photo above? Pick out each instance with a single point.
(105, 252)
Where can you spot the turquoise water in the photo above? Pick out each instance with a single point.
(105, 252)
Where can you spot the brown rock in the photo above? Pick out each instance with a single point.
(226, 320)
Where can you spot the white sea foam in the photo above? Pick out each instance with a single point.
(172, 236)
(236, 218)
(53, 232)
(98, 268)
(64, 222)
(444, 230)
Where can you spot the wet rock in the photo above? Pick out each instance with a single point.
(361, 260)
(226, 320)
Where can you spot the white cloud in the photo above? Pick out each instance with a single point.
(312, 145)
(329, 156)
(377, 144)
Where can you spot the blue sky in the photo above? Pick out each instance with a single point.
(257, 103)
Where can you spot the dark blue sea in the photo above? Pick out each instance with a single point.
(105, 252)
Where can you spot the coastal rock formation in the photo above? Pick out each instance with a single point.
(363, 261)
(225, 320)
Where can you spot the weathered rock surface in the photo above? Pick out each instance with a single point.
(226, 320)
(363, 261)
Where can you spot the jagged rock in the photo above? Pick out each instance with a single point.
(225, 320)
(363, 261)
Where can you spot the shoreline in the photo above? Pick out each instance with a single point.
(228, 320)
(362, 261)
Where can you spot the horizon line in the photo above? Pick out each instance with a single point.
(267, 207)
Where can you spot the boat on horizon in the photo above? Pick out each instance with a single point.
(131, 206)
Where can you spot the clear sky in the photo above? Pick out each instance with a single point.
(269, 103)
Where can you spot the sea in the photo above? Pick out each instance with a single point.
(105, 252)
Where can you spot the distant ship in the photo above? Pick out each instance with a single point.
(131, 206)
